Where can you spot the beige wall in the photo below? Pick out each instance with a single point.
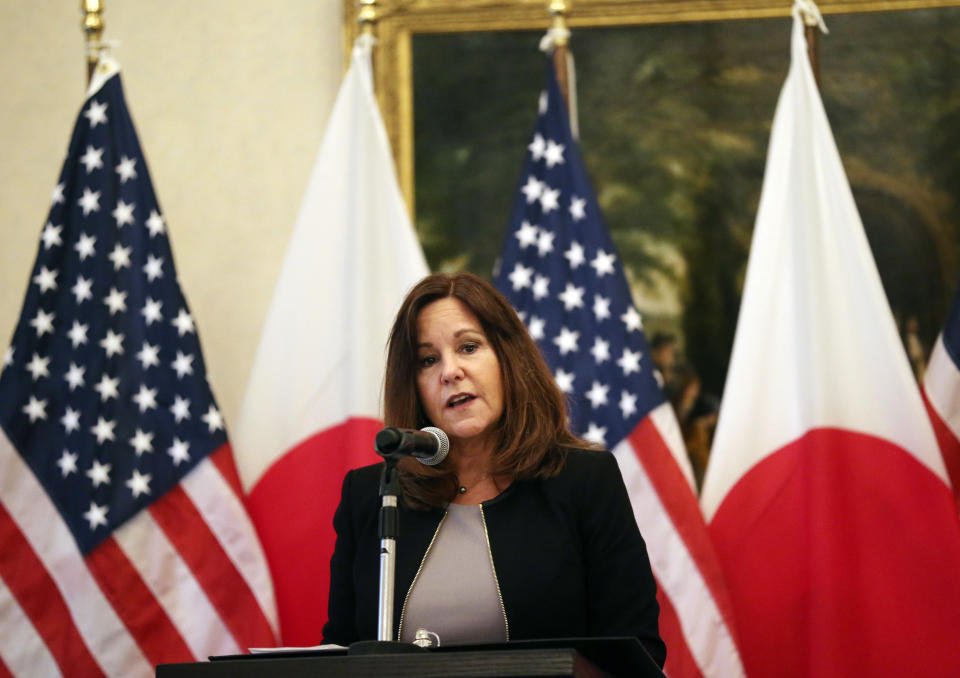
(229, 97)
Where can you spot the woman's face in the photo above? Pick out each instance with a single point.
(458, 373)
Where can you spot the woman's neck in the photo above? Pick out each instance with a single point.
(471, 461)
(472, 457)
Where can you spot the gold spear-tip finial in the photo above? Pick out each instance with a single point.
(558, 10)
(367, 16)
(93, 31)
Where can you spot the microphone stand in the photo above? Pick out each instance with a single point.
(388, 528)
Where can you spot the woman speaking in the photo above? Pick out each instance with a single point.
(523, 531)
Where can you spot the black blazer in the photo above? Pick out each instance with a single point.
(568, 556)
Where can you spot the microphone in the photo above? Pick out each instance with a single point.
(429, 445)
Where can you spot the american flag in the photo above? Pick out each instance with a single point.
(560, 270)
(941, 393)
(123, 538)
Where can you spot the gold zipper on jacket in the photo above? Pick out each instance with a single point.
(496, 580)
(403, 610)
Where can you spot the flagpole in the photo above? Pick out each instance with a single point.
(93, 30)
(367, 18)
(813, 23)
(561, 41)
(811, 31)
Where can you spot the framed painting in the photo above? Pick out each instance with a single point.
(675, 102)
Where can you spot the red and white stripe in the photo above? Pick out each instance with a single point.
(695, 612)
(161, 589)
(941, 391)
(22, 650)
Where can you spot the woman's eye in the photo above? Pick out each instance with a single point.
(427, 361)
(470, 348)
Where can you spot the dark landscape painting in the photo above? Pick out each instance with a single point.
(674, 124)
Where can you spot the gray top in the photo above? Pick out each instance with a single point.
(456, 594)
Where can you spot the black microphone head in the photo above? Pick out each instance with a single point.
(442, 450)
(388, 440)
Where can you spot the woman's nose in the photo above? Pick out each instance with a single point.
(452, 370)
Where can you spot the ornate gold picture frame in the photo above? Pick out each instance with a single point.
(676, 101)
(398, 21)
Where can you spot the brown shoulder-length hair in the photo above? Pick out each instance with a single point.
(534, 425)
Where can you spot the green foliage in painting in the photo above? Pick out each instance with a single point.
(674, 122)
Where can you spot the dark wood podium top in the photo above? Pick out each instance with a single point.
(550, 663)
(549, 658)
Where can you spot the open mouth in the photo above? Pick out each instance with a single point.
(460, 399)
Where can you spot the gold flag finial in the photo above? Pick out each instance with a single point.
(558, 10)
(367, 16)
(93, 30)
